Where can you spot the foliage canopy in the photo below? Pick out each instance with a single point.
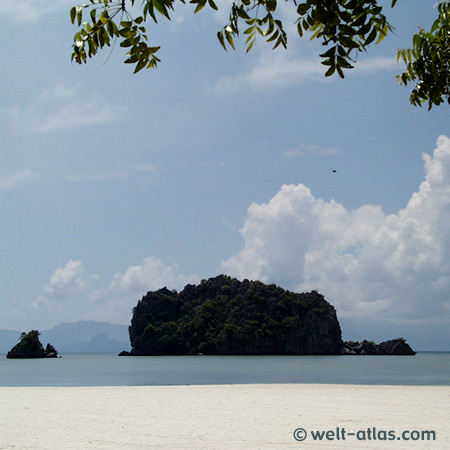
(345, 28)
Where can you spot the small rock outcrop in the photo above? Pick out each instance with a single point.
(30, 347)
(397, 346)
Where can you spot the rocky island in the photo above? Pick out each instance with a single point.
(397, 346)
(30, 347)
(223, 316)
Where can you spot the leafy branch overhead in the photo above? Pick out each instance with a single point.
(428, 62)
(345, 28)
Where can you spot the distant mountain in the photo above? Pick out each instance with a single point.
(78, 337)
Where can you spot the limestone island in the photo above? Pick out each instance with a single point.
(224, 316)
(30, 347)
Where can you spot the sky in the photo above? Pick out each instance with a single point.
(253, 165)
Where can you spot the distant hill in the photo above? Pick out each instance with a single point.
(78, 337)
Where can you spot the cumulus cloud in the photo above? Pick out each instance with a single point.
(18, 179)
(72, 293)
(62, 108)
(67, 280)
(150, 275)
(367, 263)
(31, 10)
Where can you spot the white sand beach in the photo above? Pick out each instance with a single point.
(224, 417)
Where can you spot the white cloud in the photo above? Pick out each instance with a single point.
(72, 294)
(152, 274)
(281, 69)
(312, 150)
(368, 264)
(272, 70)
(375, 64)
(66, 279)
(18, 179)
(31, 10)
(62, 108)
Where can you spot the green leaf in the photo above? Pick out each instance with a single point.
(242, 13)
(371, 37)
(280, 41)
(250, 30)
(271, 5)
(140, 65)
(302, 9)
(73, 14)
(79, 15)
(160, 6)
(229, 38)
(221, 39)
(341, 62)
(213, 5)
(383, 33)
(200, 5)
(330, 71)
(126, 43)
(329, 53)
(274, 36)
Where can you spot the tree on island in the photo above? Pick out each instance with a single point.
(31, 347)
(345, 28)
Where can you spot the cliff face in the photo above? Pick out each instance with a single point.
(227, 317)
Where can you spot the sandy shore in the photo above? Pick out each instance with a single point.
(223, 417)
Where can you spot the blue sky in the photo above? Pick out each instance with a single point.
(114, 184)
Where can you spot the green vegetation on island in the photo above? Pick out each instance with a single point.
(30, 347)
(223, 316)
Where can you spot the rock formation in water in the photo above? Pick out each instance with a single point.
(397, 347)
(223, 316)
(30, 347)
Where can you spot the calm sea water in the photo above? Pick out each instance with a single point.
(112, 370)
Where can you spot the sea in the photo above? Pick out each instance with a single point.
(107, 369)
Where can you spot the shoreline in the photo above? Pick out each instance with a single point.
(238, 416)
